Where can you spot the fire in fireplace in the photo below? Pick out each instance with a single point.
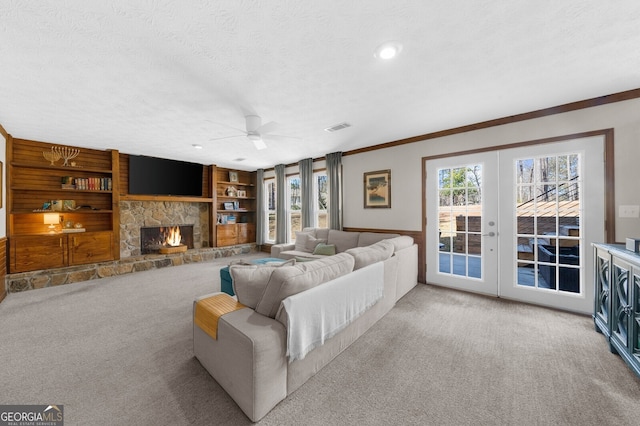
(158, 239)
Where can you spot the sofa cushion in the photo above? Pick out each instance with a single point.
(401, 242)
(325, 249)
(312, 243)
(301, 241)
(364, 256)
(368, 238)
(249, 281)
(289, 280)
(322, 233)
(343, 240)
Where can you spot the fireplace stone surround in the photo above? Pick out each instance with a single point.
(135, 215)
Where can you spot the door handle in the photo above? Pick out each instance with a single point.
(490, 234)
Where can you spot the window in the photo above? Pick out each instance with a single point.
(321, 194)
(293, 209)
(270, 205)
(294, 206)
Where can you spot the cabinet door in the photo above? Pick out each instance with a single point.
(33, 252)
(602, 289)
(246, 233)
(635, 315)
(227, 235)
(621, 281)
(90, 247)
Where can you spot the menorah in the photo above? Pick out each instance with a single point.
(51, 156)
(66, 153)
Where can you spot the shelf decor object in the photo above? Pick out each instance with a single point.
(66, 153)
(51, 156)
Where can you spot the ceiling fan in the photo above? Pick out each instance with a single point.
(255, 131)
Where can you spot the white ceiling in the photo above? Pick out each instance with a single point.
(155, 77)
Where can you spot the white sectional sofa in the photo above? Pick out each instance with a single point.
(262, 353)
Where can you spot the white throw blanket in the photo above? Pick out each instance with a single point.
(319, 313)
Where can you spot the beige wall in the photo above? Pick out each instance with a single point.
(405, 162)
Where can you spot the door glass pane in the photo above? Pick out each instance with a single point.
(460, 220)
(547, 214)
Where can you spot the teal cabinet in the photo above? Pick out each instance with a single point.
(616, 311)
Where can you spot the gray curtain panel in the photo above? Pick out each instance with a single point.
(260, 207)
(281, 214)
(306, 183)
(334, 178)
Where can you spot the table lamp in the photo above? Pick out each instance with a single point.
(51, 219)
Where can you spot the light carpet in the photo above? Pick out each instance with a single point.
(118, 351)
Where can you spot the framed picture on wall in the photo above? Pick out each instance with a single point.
(377, 189)
(233, 176)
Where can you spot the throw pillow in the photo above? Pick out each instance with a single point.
(249, 281)
(325, 249)
(285, 282)
(312, 243)
(301, 241)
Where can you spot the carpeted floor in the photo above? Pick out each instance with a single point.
(118, 351)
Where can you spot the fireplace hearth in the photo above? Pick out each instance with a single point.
(165, 239)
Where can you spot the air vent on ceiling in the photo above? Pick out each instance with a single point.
(337, 127)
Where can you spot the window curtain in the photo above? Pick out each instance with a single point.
(306, 183)
(260, 207)
(334, 179)
(281, 213)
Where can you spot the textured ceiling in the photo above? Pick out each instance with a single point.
(155, 77)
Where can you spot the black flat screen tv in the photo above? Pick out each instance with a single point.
(159, 176)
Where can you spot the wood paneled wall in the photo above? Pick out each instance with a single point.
(3, 267)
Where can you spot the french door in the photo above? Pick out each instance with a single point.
(515, 223)
(462, 216)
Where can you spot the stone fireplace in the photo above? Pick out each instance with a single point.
(154, 238)
(136, 215)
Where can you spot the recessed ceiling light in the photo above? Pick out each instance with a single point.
(388, 50)
(239, 159)
(196, 146)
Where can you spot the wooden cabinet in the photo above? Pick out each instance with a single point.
(617, 300)
(83, 192)
(234, 206)
(90, 247)
(48, 251)
(227, 235)
(246, 233)
(33, 252)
